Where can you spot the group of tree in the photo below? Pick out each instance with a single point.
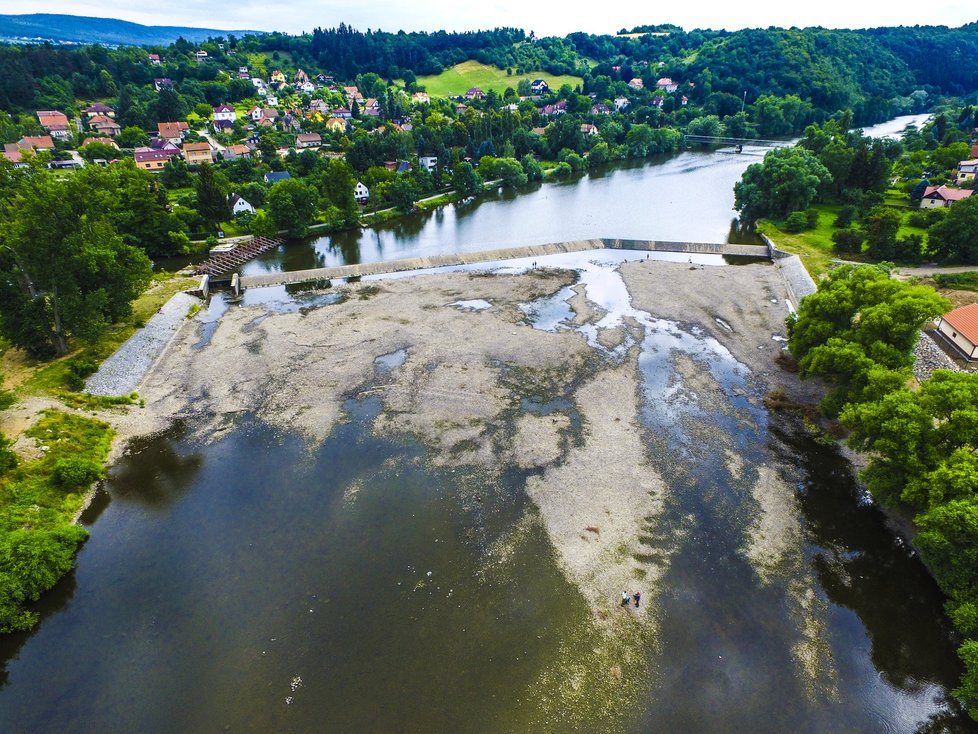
(857, 332)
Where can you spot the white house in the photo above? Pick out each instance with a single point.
(239, 205)
(935, 196)
(271, 100)
(621, 103)
(967, 171)
(361, 193)
(666, 85)
(428, 162)
(224, 113)
(960, 326)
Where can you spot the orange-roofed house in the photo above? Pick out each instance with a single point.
(173, 131)
(56, 123)
(197, 153)
(960, 326)
(36, 142)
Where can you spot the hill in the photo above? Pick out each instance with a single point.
(72, 29)
(462, 77)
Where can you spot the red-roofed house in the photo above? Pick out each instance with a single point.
(13, 153)
(960, 326)
(56, 123)
(104, 125)
(172, 131)
(36, 143)
(666, 85)
(935, 196)
(154, 59)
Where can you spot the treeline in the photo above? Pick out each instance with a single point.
(876, 73)
(857, 333)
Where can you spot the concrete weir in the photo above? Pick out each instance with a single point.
(510, 253)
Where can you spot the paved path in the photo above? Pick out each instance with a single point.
(122, 373)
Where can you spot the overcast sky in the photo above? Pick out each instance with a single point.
(551, 18)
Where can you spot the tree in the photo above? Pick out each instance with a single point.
(881, 226)
(955, 238)
(291, 206)
(98, 151)
(402, 193)
(212, 199)
(465, 180)
(63, 269)
(788, 180)
(132, 137)
(509, 171)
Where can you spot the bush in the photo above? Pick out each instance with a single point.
(848, 240)
(75, 472)
(845, 216)
(796, 222)
(8, 459)
(562, 169)
(924, 218)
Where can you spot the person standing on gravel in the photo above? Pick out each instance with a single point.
(624, 598)
(638, 598)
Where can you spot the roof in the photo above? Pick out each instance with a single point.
(223, 108)
(308, 137)
(965, 321)
(98, 107)
(50, 118)
(153, 154)
(38, 142)
(276, 176)
(171, 129)
(973, 162)
(946, 193)
(196, 147)
(103, 141)
(12, 152)
(239, 149)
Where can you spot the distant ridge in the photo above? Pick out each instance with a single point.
(39, 27)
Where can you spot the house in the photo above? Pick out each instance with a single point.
(197, 153)
(475, 93)
(173, 132)
(36, 143)
(155, 59)
(225, 112)
(621, 103)
(636, 84)
(240, 150)
(276, 176)
(300, 77)
(153, 159)
(277, 76)
(271, 100)
(974, 150)
(99, 110)
(558, 108)
(589, 129)
(600, 109)
(967, 171)
(539, 86)
(684, 100)
(428, 162)
(201, 55)
(105, 125)
(352, 93)
(259, 113)
(164, 83)
(56, 123)
(257, 83)
(13, 153)
(239, 205)
(291, 122)
(666, 85)
(324, 78)
(342, 113)
(420, 98)
(460, 108)
(935, 196)
(307, 87)
(960, 327)
(361, 193)
(308, 140)
(658, 102)
(397, 166)
(336, 123)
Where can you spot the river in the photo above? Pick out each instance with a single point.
(251, 584)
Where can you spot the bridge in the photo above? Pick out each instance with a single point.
(743, 142)
(469, 258)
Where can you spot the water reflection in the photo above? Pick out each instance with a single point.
(159, 473)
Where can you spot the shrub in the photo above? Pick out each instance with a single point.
(811, 218)
(924, 218)
(76, 472)
(562, 169)
(8, 459)
(848, 240)
(845, 216)
(796, 222)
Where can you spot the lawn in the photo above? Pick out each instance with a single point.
(462, 77)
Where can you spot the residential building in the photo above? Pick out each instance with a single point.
(475, 93)
(636, 84)
(428, 162)
(420, 98)
(36, 142)
(173, 132)
(539, 86)
(342, 113)
(240, 150)
(352, 93)
(155, 59)
(589, 129)
(104, 125)
(336, 123)
(960, 327)
(276, 176)
(201, 55)
(99, 110)
(56, 123)
(197, 153)
(967, 171)
(666, 85)
(100, 141)
(361, 193)
(277, 76)
(935, 196)
(308, 140)
(153, 159)
(600, 109)
(225, 112)
(162, 83)
(13, 153)
(621, 103)
(239, 205)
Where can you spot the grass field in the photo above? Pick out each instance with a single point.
(462, 77)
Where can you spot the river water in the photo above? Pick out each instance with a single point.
(252, 584)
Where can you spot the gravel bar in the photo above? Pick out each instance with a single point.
(122, 373)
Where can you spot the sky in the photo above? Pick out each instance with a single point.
(557, 17)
